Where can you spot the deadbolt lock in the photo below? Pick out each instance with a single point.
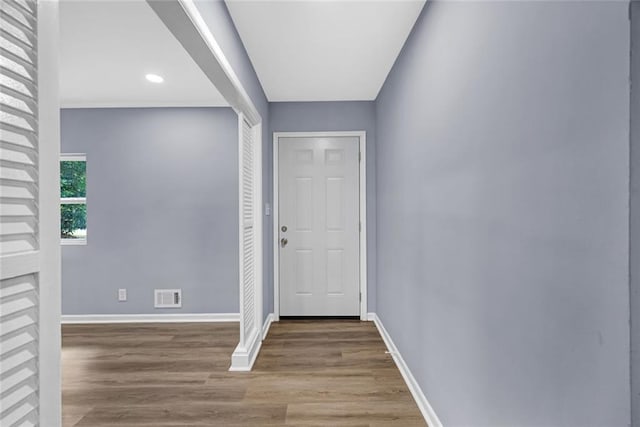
(284, 228)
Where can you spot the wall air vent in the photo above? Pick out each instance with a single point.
(168, 298)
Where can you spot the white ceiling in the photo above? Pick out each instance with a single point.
(108, 46)
(322, 50)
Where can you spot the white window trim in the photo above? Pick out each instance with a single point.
(73, 157)
(73, 200)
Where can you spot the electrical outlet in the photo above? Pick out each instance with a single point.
(122, 294)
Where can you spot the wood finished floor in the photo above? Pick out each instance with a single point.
(309, 373)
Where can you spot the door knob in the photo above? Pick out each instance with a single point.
(283, 242)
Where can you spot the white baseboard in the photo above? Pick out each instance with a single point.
(150, 318)
(427, 411)
(243, 358)
(267, 324)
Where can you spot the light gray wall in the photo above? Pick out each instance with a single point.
(503, 185)
(217, 18)
(162, 202)
(337, 116)
(634, 241)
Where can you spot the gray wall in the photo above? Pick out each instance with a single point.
(216, 16)
(337, 116)
(634, 243)
(162, 201)
(503, 179)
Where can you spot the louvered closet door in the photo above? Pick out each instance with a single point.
(248, 233)
(18, 214)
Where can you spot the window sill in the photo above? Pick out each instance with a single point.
(73, 242)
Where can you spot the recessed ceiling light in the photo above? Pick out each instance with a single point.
(154, 78)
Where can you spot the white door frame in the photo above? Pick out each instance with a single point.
(362, 165)
(49, 352)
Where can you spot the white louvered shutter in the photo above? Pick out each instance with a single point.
(18, 214)
(248, 230)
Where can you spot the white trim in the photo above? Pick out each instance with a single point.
(421, 400)
(49, 351)
(243, 358)
(73, 157)
(362, 166)
(276, 230)
(73, 200)
(143, 104)
(267, 324)
(70, 319)
(73, 242)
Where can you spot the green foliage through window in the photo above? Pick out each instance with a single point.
(73, 221)
(73, 179)
(73, 193)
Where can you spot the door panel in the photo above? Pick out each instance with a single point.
(304, 204)
(319, 208)
(19, 234)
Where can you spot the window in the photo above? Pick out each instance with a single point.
(73, 199)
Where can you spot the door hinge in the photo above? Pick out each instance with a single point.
(360, 298)
(359, 156)
(360, 226)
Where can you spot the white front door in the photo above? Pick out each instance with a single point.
(319, 226)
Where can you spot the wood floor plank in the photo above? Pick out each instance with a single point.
(329, 413)
(196, 414)
(321, 389)
(309, 373)
(72, 413)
